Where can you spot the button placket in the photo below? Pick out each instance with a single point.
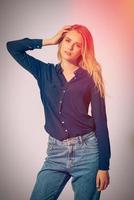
(60, 109)
(60, 104)
(61, 100)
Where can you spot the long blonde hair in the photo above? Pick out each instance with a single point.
(87, 59)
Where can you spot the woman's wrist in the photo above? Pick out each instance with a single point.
(46, 42)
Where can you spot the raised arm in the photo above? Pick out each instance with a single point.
(18, 48)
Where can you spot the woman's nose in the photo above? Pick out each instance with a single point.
(70, 46)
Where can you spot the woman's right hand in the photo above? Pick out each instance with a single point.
(58, 37)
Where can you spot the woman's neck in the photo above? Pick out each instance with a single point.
(68, 67)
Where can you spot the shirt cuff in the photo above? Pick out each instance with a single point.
(104, 165)
(38, 43)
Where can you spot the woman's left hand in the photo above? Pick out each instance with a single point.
(102, 179)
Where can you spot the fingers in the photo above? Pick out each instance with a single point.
(56, 39)
(102, 181)
(98, 182)
(106, 183)
(63, 31)
(102, 186)
(66, 28)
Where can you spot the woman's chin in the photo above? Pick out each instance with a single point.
(68, 59)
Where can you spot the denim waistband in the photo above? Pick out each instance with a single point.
(72, 140)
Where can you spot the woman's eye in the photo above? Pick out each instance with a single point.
(78, 46)
(67, 40)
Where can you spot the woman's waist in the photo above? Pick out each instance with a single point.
(72, 140)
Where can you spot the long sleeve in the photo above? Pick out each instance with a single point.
(98, 111)
(18, 48)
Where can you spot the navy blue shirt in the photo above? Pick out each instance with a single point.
(65, 102)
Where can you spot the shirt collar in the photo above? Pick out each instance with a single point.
(59, 68)
(76, 72)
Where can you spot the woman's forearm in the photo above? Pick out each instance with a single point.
(46, 42)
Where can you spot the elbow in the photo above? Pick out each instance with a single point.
(9, 45)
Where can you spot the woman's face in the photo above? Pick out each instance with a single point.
(71, 46)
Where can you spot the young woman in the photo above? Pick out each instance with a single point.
(78, 145)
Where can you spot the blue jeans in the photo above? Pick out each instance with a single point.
(76, 157)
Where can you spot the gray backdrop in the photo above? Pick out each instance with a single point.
(23, 138)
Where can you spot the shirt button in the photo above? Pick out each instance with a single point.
(59, 112)
(66, 130)
(62, 122)
(64, 91)
(60, 101)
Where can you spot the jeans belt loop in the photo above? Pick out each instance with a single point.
(80, 139)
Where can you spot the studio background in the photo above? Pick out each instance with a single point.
(23, 140)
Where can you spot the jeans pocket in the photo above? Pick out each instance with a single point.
(91, 141)
(50, 145)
